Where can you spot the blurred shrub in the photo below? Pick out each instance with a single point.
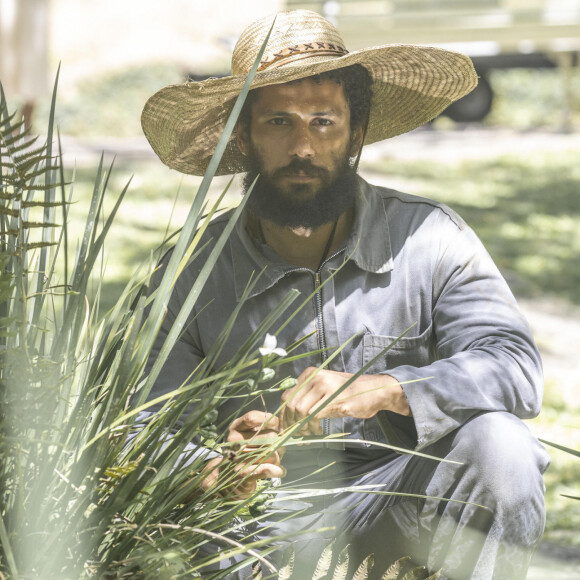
(531, 98)
(111, 104)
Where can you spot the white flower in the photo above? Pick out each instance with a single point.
(270, 347)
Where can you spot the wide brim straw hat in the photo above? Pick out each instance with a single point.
(411, 85)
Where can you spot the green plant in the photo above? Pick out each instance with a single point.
(80, 497)
(89, 487)
(402, 569)
(574, 452)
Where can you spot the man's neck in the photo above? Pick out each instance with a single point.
(305, 247)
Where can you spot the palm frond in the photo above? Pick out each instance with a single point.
(364, 569)
(341, 568)
(404, 569)
(287, 567)
(324, 562)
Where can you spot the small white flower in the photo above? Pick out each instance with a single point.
(270, 347)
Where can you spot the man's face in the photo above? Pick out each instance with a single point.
(300, 142)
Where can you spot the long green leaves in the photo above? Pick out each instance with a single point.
(84, 490)
(569, 450)
(91, 484)
(574, 452)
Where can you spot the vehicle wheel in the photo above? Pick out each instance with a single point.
(474, 106)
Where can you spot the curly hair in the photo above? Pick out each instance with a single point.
(357, 85)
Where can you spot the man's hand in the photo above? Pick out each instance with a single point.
(363, 398)
(243, 466)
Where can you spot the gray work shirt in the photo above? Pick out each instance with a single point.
(410, 266)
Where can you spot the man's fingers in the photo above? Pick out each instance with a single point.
(240, 480)
(262, 471)
(247, 477)
(256, 421)
(246, 454)
(299, 400)
(254, 424)
(211, 471)
(314, 426)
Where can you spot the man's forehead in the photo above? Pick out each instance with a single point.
(323, 88)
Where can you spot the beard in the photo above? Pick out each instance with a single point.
(299, 205)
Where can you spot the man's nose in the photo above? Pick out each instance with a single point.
(301, 143)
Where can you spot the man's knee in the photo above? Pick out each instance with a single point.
(501, 456)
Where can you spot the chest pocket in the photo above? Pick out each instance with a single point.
(389, 352)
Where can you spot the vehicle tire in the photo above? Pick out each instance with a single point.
(474, 106)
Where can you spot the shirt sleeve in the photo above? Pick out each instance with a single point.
(486, 358)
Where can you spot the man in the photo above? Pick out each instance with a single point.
(378, 265)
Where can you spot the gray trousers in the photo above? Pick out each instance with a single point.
(500, 466)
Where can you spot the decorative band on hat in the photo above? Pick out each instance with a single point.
(310, 48)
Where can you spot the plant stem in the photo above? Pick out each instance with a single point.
(8, 550)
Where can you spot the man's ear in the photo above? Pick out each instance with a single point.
(242, 138)
(356, 141)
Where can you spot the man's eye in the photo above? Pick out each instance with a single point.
(323, 122)
(278, 121)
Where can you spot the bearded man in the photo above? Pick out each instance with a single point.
(378, 264)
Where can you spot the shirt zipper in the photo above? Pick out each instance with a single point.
(324, 423)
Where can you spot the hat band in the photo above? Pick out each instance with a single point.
(310, 48)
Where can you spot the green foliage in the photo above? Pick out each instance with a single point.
(111, 104)
(404, 569)
(79, 497)
(525, 209)
(569, 450)
(532, 98)
(327, 568)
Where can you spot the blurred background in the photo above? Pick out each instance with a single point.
(507, 157)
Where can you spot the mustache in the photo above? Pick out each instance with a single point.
(304, 166)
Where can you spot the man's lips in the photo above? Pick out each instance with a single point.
(300, 171)
(300, 176)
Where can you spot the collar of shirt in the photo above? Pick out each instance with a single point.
(368, 246)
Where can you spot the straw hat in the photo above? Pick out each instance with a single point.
(411, 85)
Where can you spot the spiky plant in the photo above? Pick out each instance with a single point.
(569, 450)
(87, 488)
(80, 497)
